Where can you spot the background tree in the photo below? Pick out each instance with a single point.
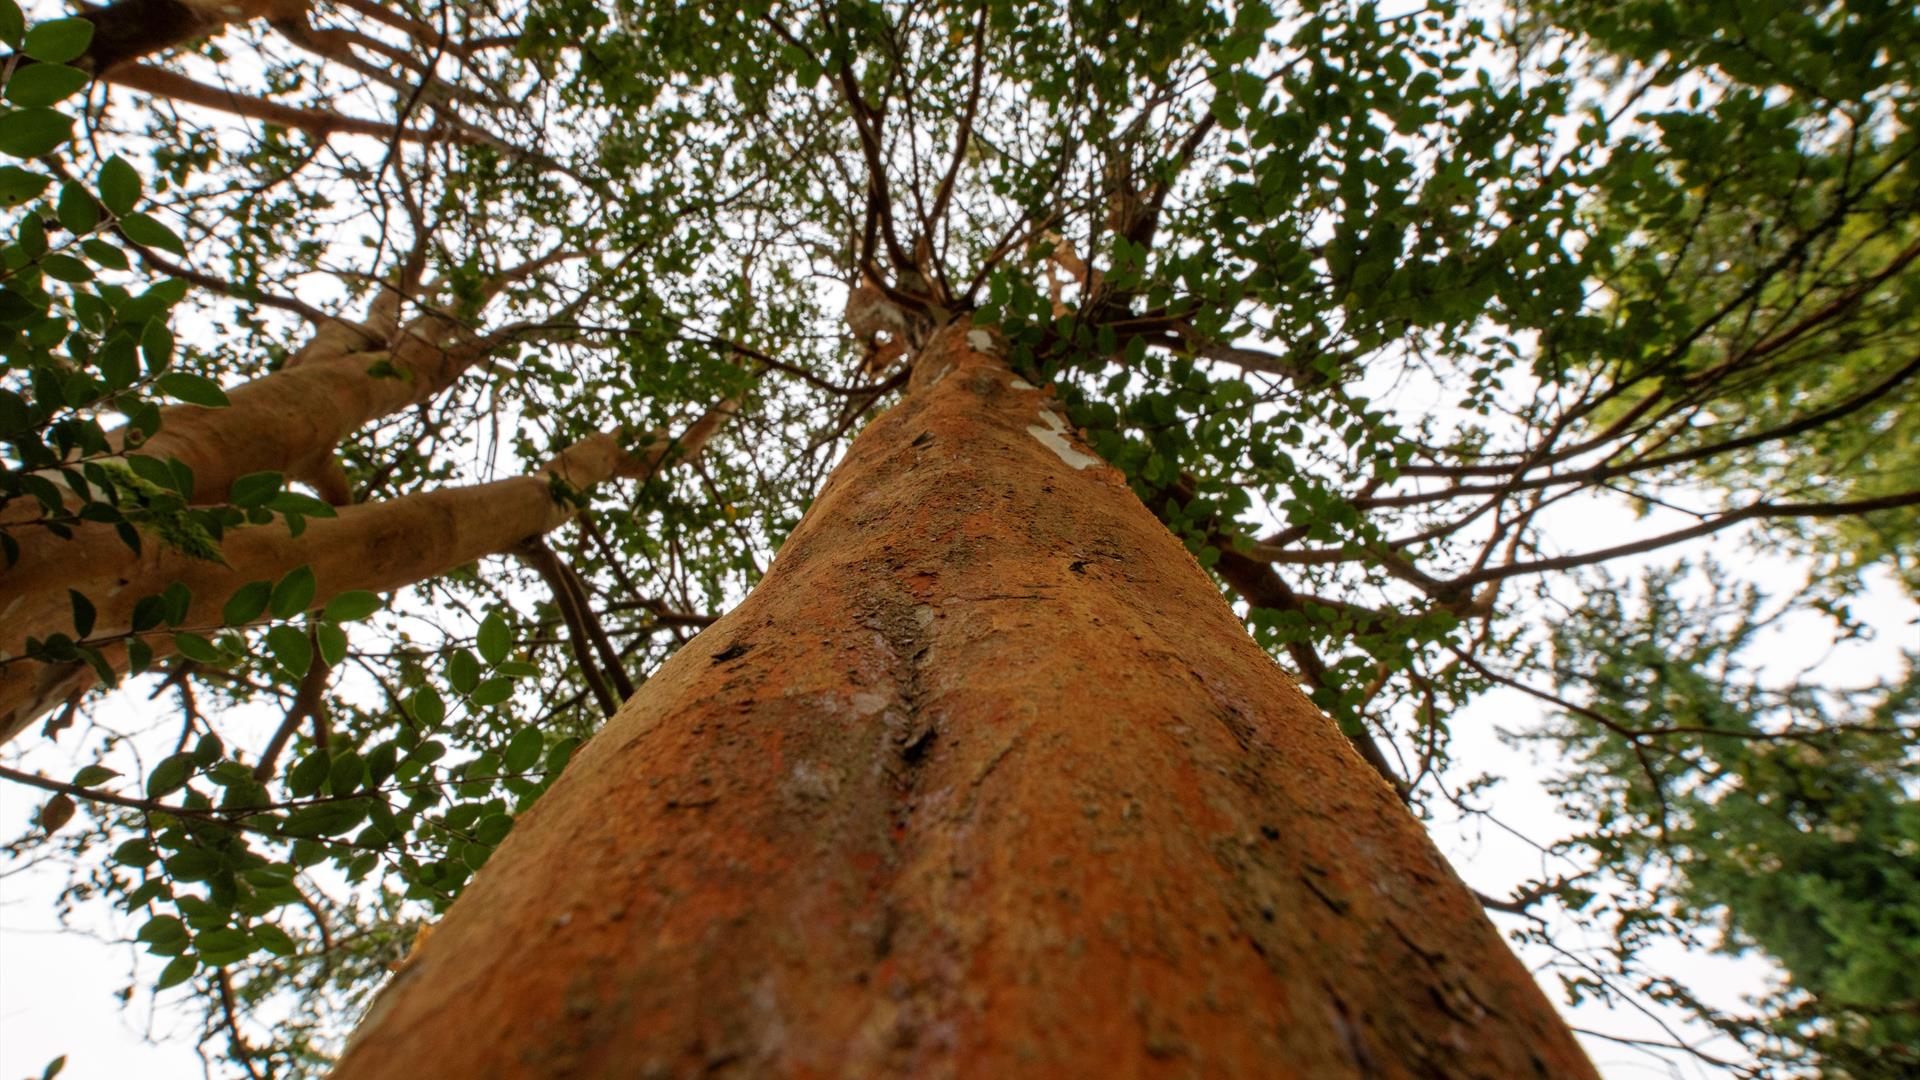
(1355, 300)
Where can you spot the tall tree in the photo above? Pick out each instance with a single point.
(1352, 302)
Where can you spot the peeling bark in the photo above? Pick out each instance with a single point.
(984, 779)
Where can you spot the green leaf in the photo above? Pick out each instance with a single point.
(255, 489)
(290, 648)
(13, 25)
(195, 647)
(294, 594)
(305, 778)
(325, 819)
(119, 186)
(17, 185)
(463, 671)
(44, 84)
(65, 268)
(105, 254)
(161, 928)
(428, 707)
(77, 210)
(247, 603)
(192, 389)
(523, 750)
(54, 1067)
(170, 775)
(493, 828)
(208, 750)
(179, 970)
(333, 643)
(136, 853)
(351, 605)
(346, 773)
(83, 614)
(57, 41)
(94, 774)
(274, 940)
(495, 638)
(493, 691)
(31, 133)
(156, 343)
(147, 232)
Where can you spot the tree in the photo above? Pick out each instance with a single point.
(1351, 302)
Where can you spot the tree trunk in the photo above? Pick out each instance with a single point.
(984, 779)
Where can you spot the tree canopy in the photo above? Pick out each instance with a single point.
(1370, 303)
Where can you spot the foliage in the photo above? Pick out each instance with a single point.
(1780, 814)
(1365, 297)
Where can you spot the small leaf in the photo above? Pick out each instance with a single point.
(65, 268)
(44, 84)
(351, 605)
(463, 671)
(290, 648)
(192, 389)
(106, 255)
(333, 643)
(94, 774)
(345, 775)
(495, 638)
(523, 750)
(17, 185)
(145, 231)
(428, 707)
(493, 691)
(162, 928)
(304, 779)
(255, 489)
(273, 939)
(247, 603)
(195, 647)
(170, 775)
(53, 1068)
(57, 812)
(119, 186)
(77, 210)
(31, 133)
(57, 41)
(83, 614)
(179, 970)
(293, 595)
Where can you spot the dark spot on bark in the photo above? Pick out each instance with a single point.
(922, 439)
(732, 652)
(1078, 566)
(1269, 832)
(915, 751)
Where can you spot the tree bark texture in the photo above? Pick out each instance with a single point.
(983, 779)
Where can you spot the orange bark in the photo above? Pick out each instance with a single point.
(984, 779)
(374, 546)
(131, 29)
